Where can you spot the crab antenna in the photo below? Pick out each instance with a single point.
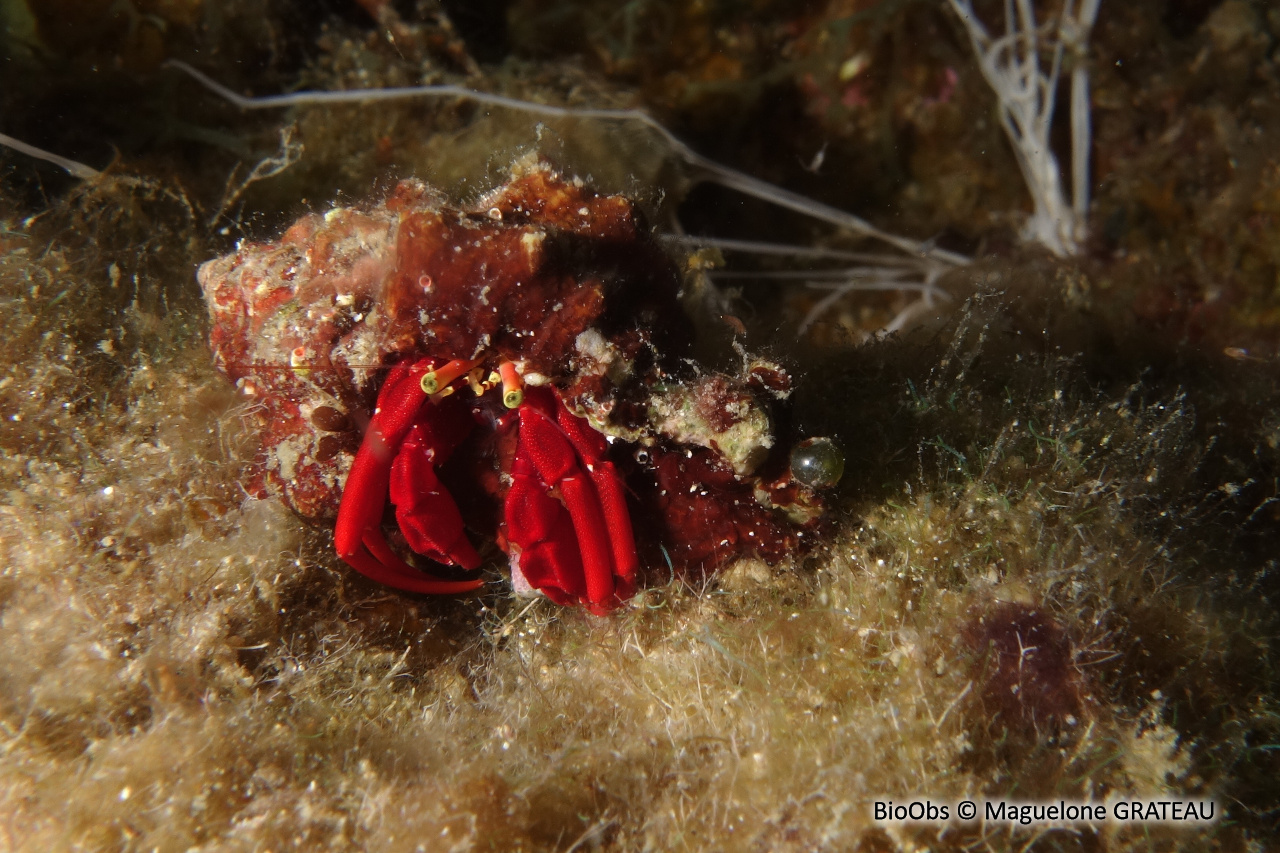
(705, 167)
(74, 168)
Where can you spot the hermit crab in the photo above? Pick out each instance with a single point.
(517, 368)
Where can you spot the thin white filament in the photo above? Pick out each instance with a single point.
(74, 167)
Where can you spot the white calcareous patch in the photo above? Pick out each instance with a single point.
(287, 455)
(532, 242)
(598, 356)
(679, 412)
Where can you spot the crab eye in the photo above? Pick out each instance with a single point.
(642, 456)
(817, 462)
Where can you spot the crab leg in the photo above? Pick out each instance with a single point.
(358, 535)
(548, 559)
(605, 544)
(592, 447)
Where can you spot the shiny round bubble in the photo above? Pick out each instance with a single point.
(817, 462)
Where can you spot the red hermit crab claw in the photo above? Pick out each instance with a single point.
(567, 524)
(387, 463)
